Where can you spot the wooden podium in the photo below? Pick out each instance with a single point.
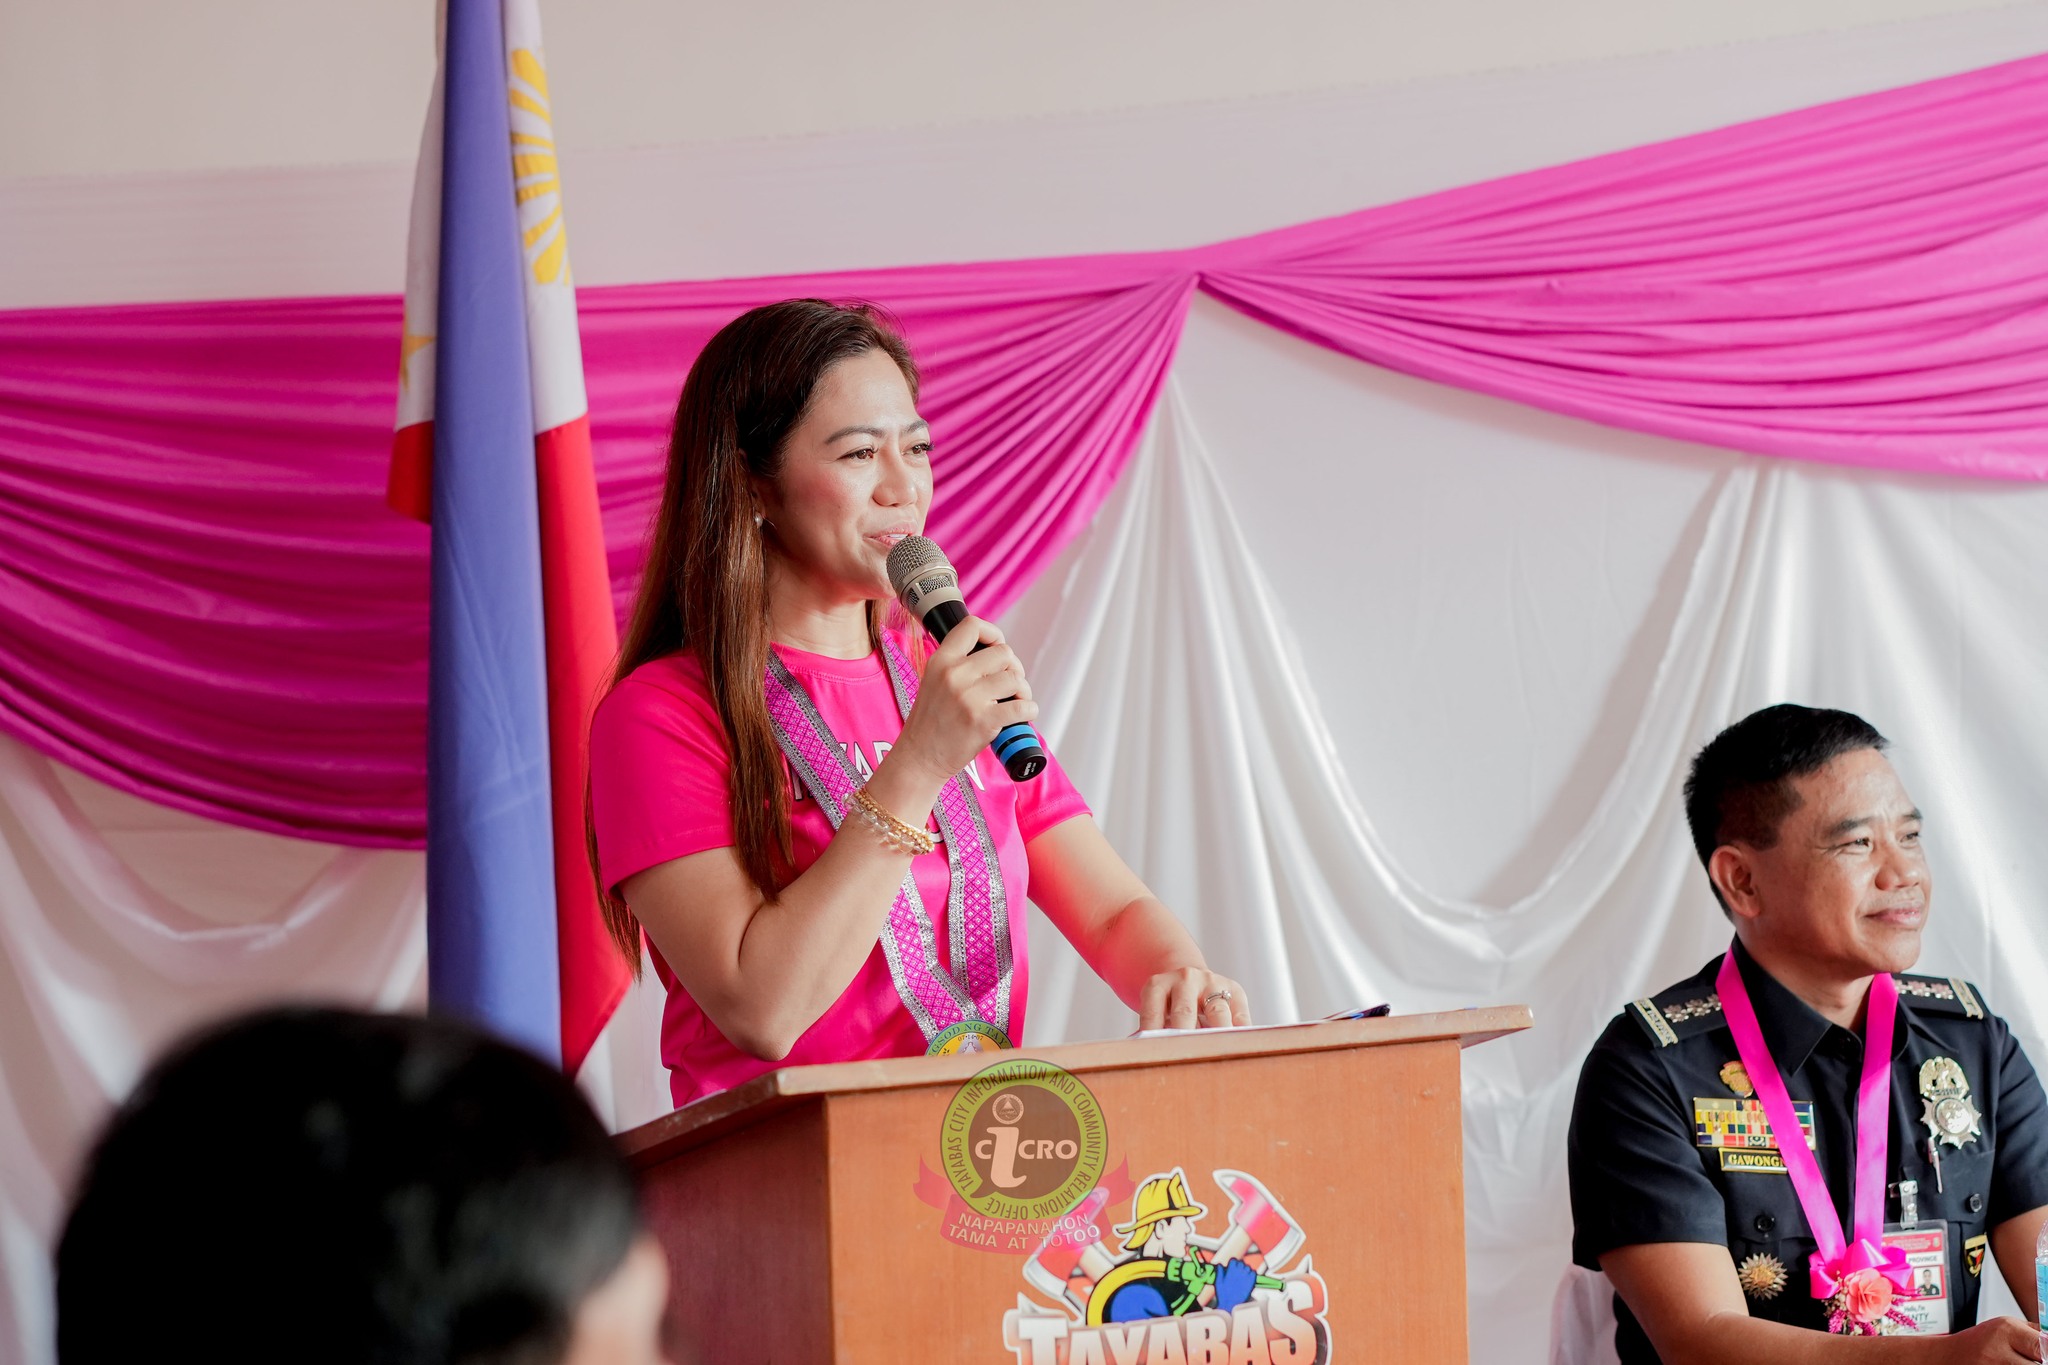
(812, 1214)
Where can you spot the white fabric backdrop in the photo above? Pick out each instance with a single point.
(1197, 718)
(1444, 656)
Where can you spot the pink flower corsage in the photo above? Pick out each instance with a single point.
(1862, 1305)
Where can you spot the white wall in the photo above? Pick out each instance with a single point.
(107, 86)
(1054, 184)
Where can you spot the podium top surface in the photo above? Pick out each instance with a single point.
(705, 1119)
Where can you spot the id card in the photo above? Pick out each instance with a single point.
(1926, 1248)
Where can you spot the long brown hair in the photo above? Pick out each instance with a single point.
(705, 585)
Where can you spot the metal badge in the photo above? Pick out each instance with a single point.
(1762, 1276)
(1736, 1078)
(1947, 1111)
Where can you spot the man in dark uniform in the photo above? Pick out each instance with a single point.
(1679, 1191)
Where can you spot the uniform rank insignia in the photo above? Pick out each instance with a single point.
(1945, 1093)
(1762, 1277)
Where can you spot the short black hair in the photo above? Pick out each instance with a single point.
(328, 1186)
(1740, 786)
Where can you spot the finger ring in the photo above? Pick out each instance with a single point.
(1215, 995)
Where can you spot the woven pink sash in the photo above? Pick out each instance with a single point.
(976, 986)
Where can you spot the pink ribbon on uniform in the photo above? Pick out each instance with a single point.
(1889, 1262)
(1858, 1246)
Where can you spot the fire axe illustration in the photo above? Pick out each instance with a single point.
(1262, 1234)
(1061, 1257)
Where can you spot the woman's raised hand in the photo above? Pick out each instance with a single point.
(960, 701)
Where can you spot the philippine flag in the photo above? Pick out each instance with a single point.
(493, 447)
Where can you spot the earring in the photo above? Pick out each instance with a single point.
(757, 521)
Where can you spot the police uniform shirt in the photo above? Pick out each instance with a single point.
(1657, 1087)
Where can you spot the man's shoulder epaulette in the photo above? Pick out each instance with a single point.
(1684, 1010)
(1942, 995)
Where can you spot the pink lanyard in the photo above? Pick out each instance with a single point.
(1845, 1253)
(983, 976)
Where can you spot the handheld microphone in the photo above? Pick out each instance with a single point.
(930, 589)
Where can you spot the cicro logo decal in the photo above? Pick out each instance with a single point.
(1023, 1140)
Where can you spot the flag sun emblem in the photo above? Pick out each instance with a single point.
(536, 176)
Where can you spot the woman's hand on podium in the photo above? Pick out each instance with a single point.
(1191, 997)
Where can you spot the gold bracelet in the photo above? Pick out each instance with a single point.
(896, 835)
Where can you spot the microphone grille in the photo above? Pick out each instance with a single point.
(912, 557)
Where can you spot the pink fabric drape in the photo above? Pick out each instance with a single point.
(1862, 283)
(1038, 379)
(206, 602)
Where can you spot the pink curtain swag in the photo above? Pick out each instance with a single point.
(207, 603)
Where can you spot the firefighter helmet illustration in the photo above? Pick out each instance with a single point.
(1160, 1198)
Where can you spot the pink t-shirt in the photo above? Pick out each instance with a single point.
(659, 778)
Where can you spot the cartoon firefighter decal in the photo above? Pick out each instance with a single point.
(1161, 1282)
(1171, 1274)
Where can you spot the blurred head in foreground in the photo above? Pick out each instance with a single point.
(325, 1186)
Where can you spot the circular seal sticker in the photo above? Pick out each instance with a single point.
(969, 1035)
(1023, 1139)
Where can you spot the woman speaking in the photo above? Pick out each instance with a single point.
(778, 747)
